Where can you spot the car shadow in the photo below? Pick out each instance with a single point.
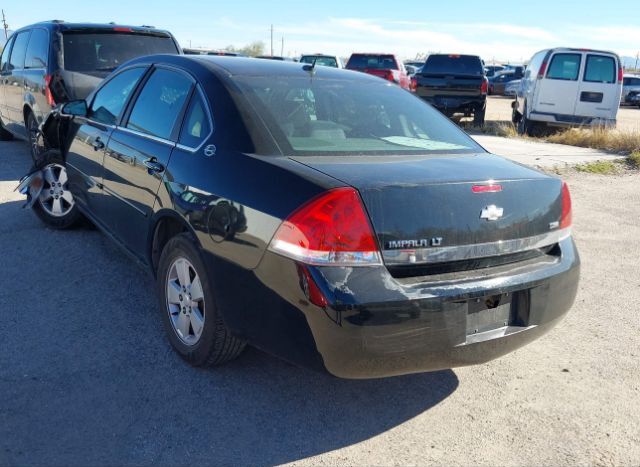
(88, 376)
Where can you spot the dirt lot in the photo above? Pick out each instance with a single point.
(88, 378)
(499, 108)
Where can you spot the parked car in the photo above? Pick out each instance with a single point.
(630, 83)
(385, 66)
(53, 62)
(276, 57)
(498, 83)
(324, 60)
(455, 85)
(568, 87)
(188, 51)
(430, 254)
(633, 98)
(492, 70)
(511, 88)
(411, 70)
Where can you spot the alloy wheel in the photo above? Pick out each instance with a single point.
(185, 301)
(55, 197)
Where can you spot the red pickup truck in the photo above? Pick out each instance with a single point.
(385, 66)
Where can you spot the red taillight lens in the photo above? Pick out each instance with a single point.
(543, 70)
(491, 188)
(565, 219)
(47, 91)
(484, 88)
(331, 229)
(620, 74)
(120, 29)
(413, 84)
(310, 288)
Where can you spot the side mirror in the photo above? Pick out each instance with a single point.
(74, 109)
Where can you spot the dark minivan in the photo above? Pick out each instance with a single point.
(53, 62)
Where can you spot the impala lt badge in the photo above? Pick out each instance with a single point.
(491, 213)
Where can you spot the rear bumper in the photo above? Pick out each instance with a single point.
(450, 105)
(571, 120)
(376, 325)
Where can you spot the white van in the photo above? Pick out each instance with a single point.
(568, 87)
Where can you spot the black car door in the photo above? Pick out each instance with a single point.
(139, 151)
(14, 84)
(91, 135)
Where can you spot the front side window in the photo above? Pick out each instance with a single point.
(112, 97)
(19, 51)
(4, 61)
(565, 67)
(160, 102)
(196, 126)
(38, 49)
(351, 117)
(600, 69)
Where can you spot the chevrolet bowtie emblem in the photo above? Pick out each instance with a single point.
(491, 213)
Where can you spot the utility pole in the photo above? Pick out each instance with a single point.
(272, 40)
(282, 48)
(5, 26)
(637, 56)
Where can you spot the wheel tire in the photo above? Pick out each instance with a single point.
(33, 137)
(69, 215)
(5, 135)
(478, 117)
(215, 345)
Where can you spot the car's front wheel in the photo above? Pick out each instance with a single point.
(189, 312)
(35, 140)
(55, 205)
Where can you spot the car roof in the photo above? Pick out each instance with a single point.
(575, 49)
(64, 26)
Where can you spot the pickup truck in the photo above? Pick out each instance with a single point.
(455, 85)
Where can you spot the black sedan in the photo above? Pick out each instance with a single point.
(326, 216)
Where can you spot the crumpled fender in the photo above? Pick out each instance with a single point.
(31, 186)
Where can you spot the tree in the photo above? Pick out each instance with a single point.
(251, 50)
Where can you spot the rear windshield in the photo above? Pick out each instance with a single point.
(373, 62)
(351, 117)
(454, 65)
(105, 51)
(600, 69)
(319, 60)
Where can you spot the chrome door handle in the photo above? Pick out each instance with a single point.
(153, 165)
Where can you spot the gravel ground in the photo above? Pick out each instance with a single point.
(88, 378)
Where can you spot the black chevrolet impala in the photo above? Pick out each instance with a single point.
(326, 216)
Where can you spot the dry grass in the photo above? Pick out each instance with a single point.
(493, 128)
(606, 139)
(599, 167)
(634, 160)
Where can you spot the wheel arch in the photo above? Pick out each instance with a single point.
(166, 224)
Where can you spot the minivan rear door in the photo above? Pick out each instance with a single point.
(558, 91)
(601, 88)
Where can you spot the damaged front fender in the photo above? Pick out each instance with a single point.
(31, 186)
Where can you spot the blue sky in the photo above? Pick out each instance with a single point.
(500, 29)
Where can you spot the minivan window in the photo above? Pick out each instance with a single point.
(159, 103)
(565, 67)
(351, 117)
(196, 126)
(111, 98)
(600, 69)
(4, 61)
(375, 62)
(19, 51)
(105, 51)
(38, 49)
(453, 64)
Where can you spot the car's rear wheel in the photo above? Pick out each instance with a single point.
(190, 314)
(55, 205)
(478, 117)
(33, 136)
(5, 135)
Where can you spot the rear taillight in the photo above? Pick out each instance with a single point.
(484, 87)
(565, 218)
(47, 91)
(330, 230)
(413, 84)
(543, 69)
(620, 73)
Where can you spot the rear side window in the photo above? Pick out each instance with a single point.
(600, 69)
(110, 100)
(374, 62)
(86, 52)
(4, 61)
(196, 126)
(565, 67)
(453, 64)
(38, 49)
(160, 102)
(19, 51)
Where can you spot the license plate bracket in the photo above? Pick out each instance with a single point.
(491, 312)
